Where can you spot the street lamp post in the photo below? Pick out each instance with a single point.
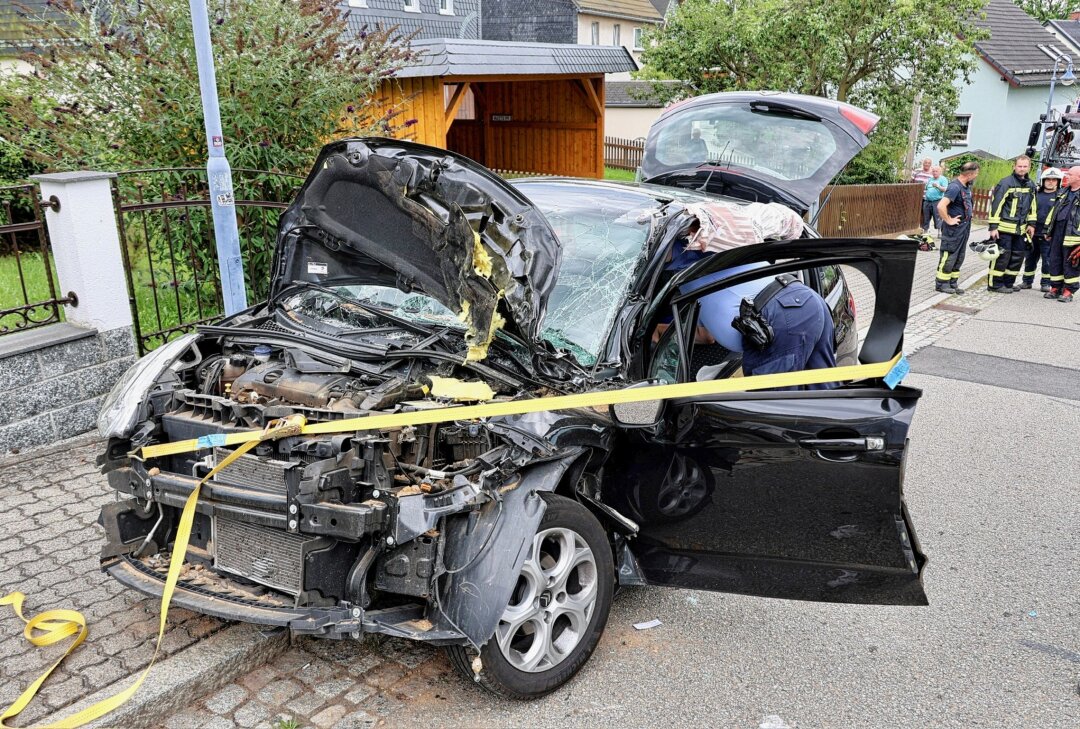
(1067, 78)
(218, 171)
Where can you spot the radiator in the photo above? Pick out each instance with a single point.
(261, 474)
(270, 557)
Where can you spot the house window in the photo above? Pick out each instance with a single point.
(638, 32)
(961, 128)
(357, 3)
(595, 31)
(446, 7)
(412, 6)
(615, 35)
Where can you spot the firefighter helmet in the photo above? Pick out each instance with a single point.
(990, 251)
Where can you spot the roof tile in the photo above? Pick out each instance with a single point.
(1013, 45)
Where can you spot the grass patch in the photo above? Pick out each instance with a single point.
(35, 281)
(612, 173)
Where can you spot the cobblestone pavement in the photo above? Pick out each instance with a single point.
(330, 685)
(49, 545)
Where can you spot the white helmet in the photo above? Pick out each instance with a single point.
(1051, 173)
(990, 252)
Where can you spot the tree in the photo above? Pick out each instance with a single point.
(1047, 10)
(117, 86)
(875, 55)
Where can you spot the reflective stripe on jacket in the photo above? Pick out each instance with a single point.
(1012, 205)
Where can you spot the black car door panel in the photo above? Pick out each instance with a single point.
(798, 497)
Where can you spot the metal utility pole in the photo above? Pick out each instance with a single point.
(218, 172)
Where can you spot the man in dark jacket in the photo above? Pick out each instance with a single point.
(1065, 241)
(1049, 189)
(955, 209)
(1012, 224)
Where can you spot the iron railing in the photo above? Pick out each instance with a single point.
(167, 240)
(28, 288)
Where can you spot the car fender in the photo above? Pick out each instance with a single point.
(486, 550)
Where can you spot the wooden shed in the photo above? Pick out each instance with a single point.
(518, 107)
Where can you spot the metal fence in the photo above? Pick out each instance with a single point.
(29, 295)
(167, 240)
(868, 210)
(623, 154)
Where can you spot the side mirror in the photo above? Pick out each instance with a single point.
(643, 414)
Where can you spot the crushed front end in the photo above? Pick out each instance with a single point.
(332, 535)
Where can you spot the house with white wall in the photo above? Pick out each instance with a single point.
(630, 108)
(583, 22)
(1009, 89)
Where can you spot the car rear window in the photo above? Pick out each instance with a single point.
(785, 148)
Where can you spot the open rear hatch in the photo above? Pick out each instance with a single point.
(762, 146)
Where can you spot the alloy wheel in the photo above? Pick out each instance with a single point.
(552, 603)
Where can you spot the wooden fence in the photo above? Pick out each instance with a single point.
(866, 210)
(980, 200)
(623, 154)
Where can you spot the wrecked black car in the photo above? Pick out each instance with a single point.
(408, 278)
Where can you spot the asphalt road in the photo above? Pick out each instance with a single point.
(993, 492)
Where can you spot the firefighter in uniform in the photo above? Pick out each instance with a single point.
(955, 207)
(1049, 189)
(1012, 225)
(1065, 241)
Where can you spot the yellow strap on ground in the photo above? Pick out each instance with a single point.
(56, 625)
(540, 404)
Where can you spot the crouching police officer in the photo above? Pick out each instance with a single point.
(1012, 225)
(778, 323)
(955, 207)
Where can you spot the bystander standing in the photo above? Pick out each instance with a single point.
(935, 188)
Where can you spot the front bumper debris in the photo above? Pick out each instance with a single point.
(342, 621)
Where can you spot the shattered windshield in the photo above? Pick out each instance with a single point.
(603, 232)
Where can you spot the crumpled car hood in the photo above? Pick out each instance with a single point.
(426, 219)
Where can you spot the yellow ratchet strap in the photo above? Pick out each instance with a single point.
(56, 625)
(541, 404)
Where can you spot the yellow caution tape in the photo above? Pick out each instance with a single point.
(541, 404)
(55, 625)
(58, 624)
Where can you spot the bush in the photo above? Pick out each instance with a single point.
(118, 87)
(990, 170)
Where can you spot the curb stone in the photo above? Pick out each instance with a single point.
(183, 678)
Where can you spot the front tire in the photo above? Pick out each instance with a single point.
(557, 611)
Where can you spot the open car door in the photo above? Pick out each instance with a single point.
(791, 494)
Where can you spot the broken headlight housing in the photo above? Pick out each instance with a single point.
(121, 408)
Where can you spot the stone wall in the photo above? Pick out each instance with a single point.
(53, 379)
